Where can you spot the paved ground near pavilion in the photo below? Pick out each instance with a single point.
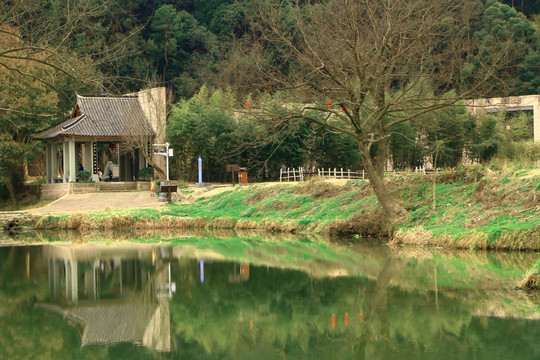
(99, 201)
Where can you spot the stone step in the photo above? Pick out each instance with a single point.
(118, 186)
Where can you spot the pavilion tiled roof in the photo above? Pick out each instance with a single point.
(112, 324)
(103, 116)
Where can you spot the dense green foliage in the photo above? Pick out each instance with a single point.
(207, 125)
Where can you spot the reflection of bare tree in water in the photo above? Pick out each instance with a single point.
(377, 305)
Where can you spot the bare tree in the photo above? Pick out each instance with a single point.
(366, 66)
(40, 69)
(154, 105)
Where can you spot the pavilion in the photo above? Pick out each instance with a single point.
(128, 124)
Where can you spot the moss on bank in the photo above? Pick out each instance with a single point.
(475, 208)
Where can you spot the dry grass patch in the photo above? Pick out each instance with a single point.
(532, 281)
(372, 223)
(419, 237)
(77, 220)
(247, 224)
(320, 189)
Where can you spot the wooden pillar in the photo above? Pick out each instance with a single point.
(72, 288)
(72, 162)
(48, 162)
(88, 157)
(54, 161)
(65, 159)
(52, 278)
(142, 159)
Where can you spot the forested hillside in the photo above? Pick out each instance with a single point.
(214, 55)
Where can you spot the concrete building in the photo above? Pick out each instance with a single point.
(511, 103)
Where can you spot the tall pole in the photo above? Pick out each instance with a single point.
(200, 169)
(167, 155)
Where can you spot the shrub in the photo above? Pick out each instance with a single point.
(146, 173)
(84, 175)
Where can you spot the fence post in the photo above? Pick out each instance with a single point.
(280, 173)
(294, 174)
(363, 174)
(288, 175)
(349, 174)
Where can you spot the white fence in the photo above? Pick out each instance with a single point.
(341, 174)
(424, 171)
(301, 173)
(292, 174)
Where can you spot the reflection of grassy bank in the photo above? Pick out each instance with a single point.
(314, 255)
(428, 300)
(532, 280)
(475, 208)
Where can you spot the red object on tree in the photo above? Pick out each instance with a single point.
(112, 146)
(333, 321)
(247, 104)
(329, 105)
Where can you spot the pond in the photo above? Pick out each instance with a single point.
(253, 295)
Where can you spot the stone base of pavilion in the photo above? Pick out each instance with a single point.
(56, 191)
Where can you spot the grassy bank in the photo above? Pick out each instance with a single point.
(532, 280)
(475, 207)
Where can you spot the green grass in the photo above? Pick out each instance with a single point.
(498, 211)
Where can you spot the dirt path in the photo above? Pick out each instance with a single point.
(99, 201)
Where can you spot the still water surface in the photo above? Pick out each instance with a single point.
(247, 297)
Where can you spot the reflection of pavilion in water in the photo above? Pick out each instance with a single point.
(112, 292)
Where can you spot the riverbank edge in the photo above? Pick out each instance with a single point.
(458, 192)
(532, 279)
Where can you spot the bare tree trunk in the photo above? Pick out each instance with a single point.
(434, 205)
(380, 157)
(378, 300)
(11, 189)
(154, 166)
(393, 209)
